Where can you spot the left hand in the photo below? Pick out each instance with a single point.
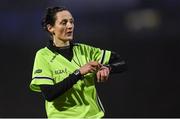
(102, 74)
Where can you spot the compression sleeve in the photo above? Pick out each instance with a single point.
(117, 63)
(50, 92)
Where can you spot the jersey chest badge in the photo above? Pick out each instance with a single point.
(61, 71)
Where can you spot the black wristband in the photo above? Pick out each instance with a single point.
(77, 73)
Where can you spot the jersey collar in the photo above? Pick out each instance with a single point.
(56, 49)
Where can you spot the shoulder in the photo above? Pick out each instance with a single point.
(43, 52)
(84, 46)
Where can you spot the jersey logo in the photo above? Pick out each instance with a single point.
(60, 71)
(38, 71)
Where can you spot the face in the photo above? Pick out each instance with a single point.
(63, 27)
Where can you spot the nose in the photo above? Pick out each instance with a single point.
(70, 25)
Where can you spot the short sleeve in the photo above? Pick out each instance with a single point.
(41, 72)
(102, 56)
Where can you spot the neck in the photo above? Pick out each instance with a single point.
(60, 43)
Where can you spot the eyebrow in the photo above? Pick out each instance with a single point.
(68, 19)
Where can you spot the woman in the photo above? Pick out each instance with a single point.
(66, 72)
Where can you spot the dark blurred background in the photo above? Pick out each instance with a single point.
(146, 32)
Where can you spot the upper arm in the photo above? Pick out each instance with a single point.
(41, 73)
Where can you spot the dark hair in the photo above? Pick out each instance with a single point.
(50, 16)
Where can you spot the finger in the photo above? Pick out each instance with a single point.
(99, 80)
(106, 69)
(102, 75)
(106, 77)
(105, 74)
(99, 66)
(92, 69)
(95, 64)
(98, 76)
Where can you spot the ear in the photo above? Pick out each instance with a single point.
(50, 28)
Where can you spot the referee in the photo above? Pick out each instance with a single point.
(65, 72)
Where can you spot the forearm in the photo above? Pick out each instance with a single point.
(117, 64)
(50, 92)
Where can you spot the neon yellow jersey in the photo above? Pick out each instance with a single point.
(81, 101)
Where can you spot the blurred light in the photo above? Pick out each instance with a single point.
(148, 19)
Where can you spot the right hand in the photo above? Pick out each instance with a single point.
(89, 67)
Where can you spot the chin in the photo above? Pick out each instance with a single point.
(69, 39)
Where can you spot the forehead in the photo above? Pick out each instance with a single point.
(63, 15)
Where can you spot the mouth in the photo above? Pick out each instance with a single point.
(69, 33)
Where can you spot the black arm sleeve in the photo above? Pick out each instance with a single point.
(117, 63)
(50, 92)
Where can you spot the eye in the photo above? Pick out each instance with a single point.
(71, 21)
(63, 22)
